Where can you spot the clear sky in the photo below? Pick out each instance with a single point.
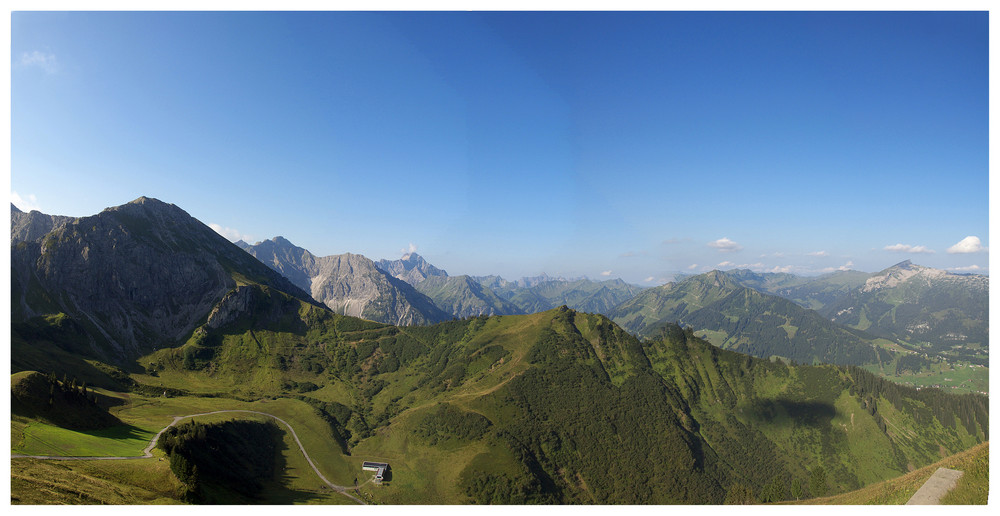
(628, 145)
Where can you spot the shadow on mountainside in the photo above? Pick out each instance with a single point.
(785, 411)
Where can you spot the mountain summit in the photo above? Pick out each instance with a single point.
(136, 277)
(920, 304)
(411, 268)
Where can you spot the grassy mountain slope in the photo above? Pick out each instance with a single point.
(68, 405)
(972, 488)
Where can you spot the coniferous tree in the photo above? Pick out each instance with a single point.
(739, 494)
(797, 488)
(817, 482)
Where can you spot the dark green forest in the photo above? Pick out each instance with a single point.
(215, 460)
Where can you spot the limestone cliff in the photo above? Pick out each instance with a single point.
(349, 284)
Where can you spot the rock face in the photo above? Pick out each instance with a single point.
(233, 305)
(349, 284)
(411, 268)
(139, 276)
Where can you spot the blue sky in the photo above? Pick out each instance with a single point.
(630, 145)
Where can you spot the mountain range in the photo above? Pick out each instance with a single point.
(809, 292)
(936, 310)
(733, 316)
(557, 406)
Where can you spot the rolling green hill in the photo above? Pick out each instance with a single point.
(66, 404)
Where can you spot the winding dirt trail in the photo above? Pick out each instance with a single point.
(148, 451)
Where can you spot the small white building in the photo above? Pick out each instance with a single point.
(378, 467)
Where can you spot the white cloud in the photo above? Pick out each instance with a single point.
(231, 234)
(818, 253)
(787, 269)
(726, 264)
(42, 60)
(692, 267)
(969, 268)
(649, 279)
(969, 244)
(605, 273)
(412, 248)
(845, 267)
(725, 245)
(25, 204)
(906, 248)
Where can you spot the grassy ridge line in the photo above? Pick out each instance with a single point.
(899, 490)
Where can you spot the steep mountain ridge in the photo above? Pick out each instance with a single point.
(33, 225)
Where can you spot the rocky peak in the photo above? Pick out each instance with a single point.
(32, 226)
(282, 241)
(901, 272)
(411, 268)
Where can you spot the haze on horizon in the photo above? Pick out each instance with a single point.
(631, 145)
